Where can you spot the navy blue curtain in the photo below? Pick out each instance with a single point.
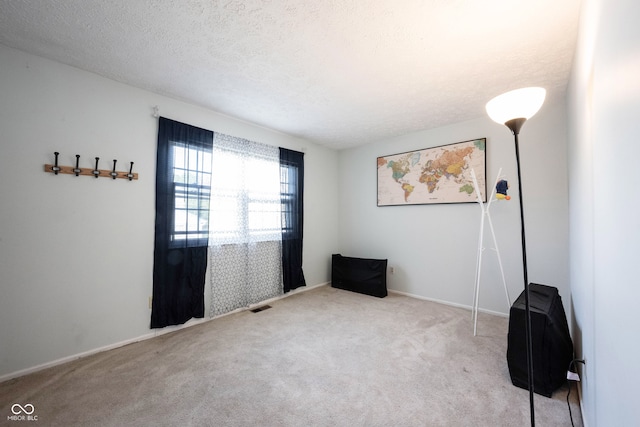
(180, 259)
(291, 193)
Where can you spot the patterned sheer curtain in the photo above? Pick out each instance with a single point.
(245, 240)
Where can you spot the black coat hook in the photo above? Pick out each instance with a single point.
(55, 167)
(96, 172)
(130, 174)
(77, 169)
(114, 174)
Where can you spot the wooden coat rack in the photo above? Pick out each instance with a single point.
(95, 172)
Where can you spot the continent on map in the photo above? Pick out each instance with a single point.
(430, 180)
(399, 168)
(467, 188)
(448, 164)
(479, 143)
(408, 189)
(402, 166)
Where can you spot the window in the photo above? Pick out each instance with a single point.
(220, 195)
(191, 190)
(245, 192)
(288, 198)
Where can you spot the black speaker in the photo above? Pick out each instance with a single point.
(551, 343)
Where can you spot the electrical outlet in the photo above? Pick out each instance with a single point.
(573, 376)
(150, 300)
(391, 270)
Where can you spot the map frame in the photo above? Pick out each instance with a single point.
(431, 175)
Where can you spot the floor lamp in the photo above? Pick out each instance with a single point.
(512, 109)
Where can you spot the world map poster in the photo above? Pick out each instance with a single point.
(433, 175)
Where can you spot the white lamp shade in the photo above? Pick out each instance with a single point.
(517, 104)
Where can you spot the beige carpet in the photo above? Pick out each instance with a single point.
(320, 358)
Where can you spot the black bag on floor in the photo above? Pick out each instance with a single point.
(551, 343)
(362, 275)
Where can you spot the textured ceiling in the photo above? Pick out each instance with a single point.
(341, 73)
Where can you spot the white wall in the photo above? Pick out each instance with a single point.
(604, 111)
(433, 247)
(76, 253)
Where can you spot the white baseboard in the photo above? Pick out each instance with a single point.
(452, 304)
(584, 420)
(288, 294)
(153, 334)
(73, 357)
